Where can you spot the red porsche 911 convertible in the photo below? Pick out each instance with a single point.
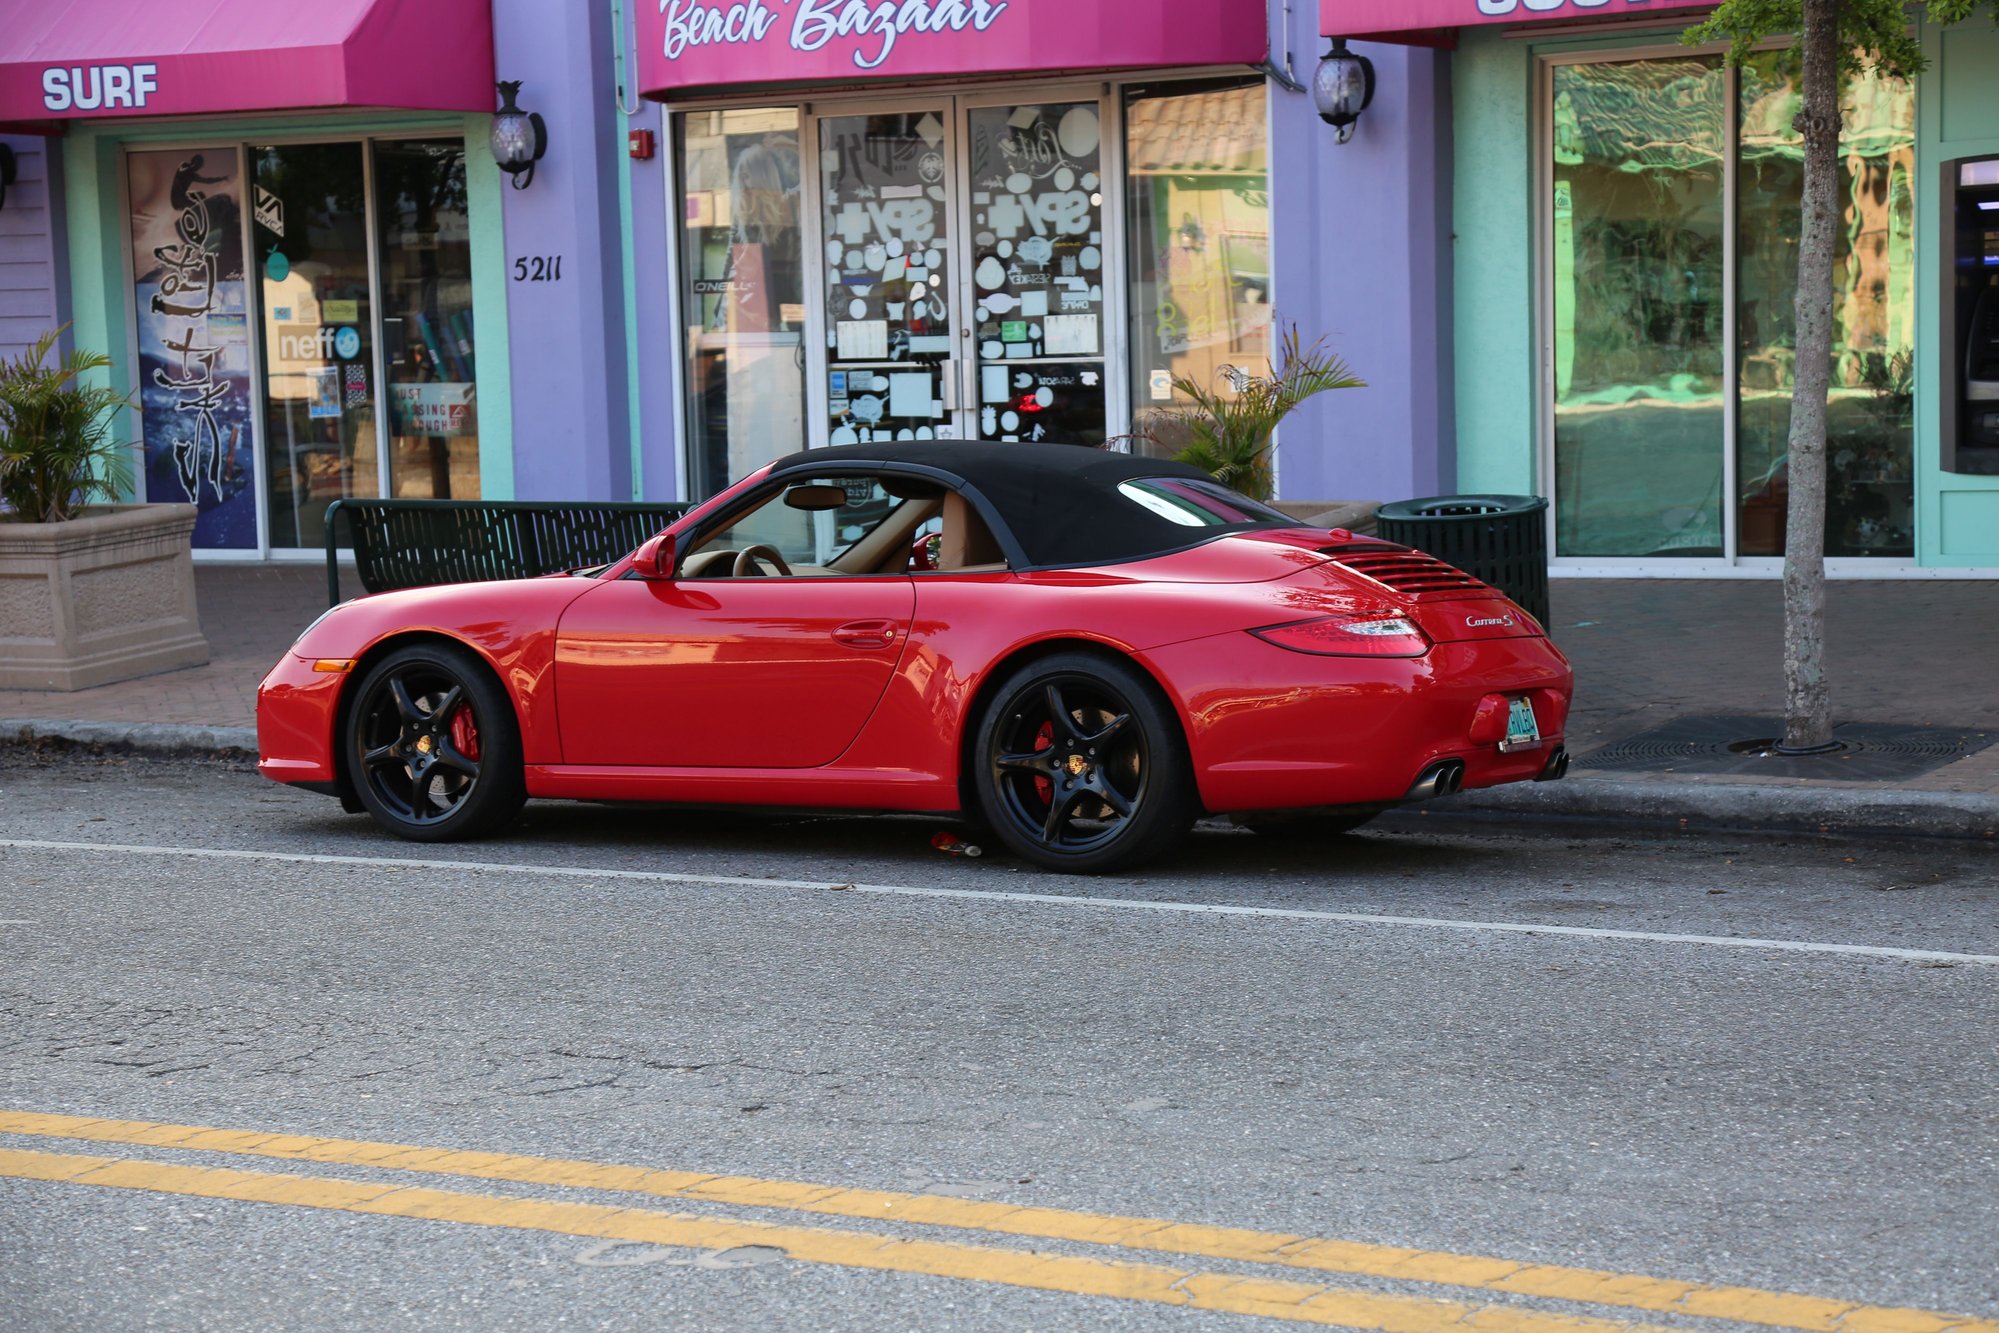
(1082, 650)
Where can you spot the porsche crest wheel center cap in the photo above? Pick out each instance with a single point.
(423, 744)
(1075, 765)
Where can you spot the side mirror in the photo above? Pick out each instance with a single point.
(654, 560)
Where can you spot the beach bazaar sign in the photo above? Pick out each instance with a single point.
(728, 43)
(1358, 18)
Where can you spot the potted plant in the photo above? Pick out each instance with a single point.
(89, 593)
(1230, 426)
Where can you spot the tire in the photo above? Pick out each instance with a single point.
(432, 745)
(1278, 824)
(1081, 767)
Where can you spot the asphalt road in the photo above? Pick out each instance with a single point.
(1596, 1051)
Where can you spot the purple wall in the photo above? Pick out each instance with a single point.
(659, 418)
(1361, 250)
(34, 249)
(572, 429)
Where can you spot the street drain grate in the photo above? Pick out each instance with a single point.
(1867, 751)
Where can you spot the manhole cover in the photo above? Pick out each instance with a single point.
(1867, 751)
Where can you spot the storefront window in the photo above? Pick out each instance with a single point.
(1871, 414)
(742, 291)
(427, 343)
(1038, 271)
(193, 338)
(1198, 229)
(309, 232)
(1637, 267)
(887, 273)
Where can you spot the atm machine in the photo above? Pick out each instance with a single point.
(1970, 395)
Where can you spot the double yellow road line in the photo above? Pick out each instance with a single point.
(1479, 1302)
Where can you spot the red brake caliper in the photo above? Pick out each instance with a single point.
(1043, 739)
(465, 733)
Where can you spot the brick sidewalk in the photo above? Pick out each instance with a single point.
(1645, 651)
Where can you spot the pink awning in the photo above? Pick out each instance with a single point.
(70, 59)
(1409, 20)
(712, 44)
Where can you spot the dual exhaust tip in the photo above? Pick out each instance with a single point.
(1446, 777)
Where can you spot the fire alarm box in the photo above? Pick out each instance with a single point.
(1970, 390)
(639, 144)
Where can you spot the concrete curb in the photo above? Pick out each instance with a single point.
(1757, 807)
(154, 738)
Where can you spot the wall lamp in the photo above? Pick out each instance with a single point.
(1342, 87)
(8, 171)
(519, 138)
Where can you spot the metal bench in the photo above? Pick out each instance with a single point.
(419, 543)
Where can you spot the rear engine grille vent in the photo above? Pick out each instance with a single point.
(1410, 572)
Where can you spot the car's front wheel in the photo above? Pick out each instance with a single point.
(432, 746)
(1082, 767)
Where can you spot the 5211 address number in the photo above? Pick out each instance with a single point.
(538, 268)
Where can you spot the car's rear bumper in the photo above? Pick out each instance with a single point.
(1272, 729)
(296, 707)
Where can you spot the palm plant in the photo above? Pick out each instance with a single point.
(1232, 429)
(57, 452)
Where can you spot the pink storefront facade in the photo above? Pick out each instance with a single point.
(1030, 220)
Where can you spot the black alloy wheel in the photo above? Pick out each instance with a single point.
(1082, 767)
(432, 746)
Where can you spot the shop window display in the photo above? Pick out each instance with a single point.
(193, 338)
(1637, 264)
(742, 291)
(1038, 271)
(1870, 421)
(309, 235)
(1198, 221)
(1641, 215)
(427, 341)
(887, 274)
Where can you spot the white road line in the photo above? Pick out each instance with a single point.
(996, 895)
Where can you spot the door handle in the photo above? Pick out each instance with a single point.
(949, 384)
(866, 633)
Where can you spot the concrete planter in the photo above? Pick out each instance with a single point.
(1356, 516)
(104, 597)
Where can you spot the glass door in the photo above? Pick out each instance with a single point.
(965, 253)
(1037, 271)
(309, 230)
(889, 300)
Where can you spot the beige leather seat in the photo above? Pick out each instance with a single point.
(967, 544)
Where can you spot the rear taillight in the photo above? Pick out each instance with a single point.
(1349, 636)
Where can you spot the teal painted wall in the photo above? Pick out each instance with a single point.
(1492, 265)
(1957, 115)
(101, 300)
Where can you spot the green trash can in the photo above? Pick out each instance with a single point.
(1501, 539)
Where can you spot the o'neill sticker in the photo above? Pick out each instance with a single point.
(872, 28)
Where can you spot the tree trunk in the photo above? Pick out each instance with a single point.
(1807, 698)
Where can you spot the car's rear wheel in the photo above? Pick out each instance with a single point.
(1082, 767)
(432, 745)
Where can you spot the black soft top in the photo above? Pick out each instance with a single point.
(1058, 502)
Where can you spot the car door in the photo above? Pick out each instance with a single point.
(726, 672)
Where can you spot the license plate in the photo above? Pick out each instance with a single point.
(1522, 730)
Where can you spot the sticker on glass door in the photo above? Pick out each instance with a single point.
(887, 267)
